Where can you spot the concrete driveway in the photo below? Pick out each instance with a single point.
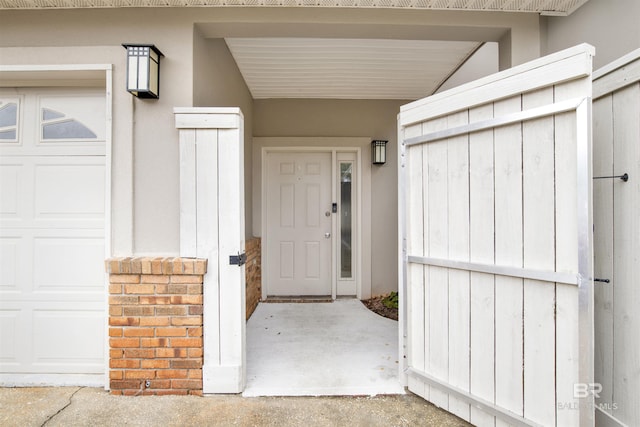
(81, 406)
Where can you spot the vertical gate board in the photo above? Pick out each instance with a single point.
(188, 198)
(538, 228)
(508, 251)
(458, 238)
(417, 196)
(438, 277)
(212, 222)
(481, 250)
(616, 113)
(626, 375)
(231, 242)
(207, 231)
(603, 244)
(566, 184)
(496, 246)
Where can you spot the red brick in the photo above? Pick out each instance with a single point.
(186, 279)
(115, 288)
(141, 374)
(194, 289)
(138, 310)
(186, 321)
(154, 321)
(171, 332)
(177, 266)
(186, 364)
(200, 266)
(195, 309)
(155, 364)
(171, 311)
(167, 266)
(186, 299)
(139, 353)
(125, 384)
(116, 353)
(123, 300)
(136, 266)
(162, 289)
(124, 321)
(138, 332)
(154, 278)
(124, 342)
(155, 384)
(195, 352)
(115, 393)
(116, 375)
(125, 265)
(188, 384)
(115, 332)
(145, 265)
(115, 310)
(144, 289)
(156, 266)
(124, 278)
(195, 393)
(171, 373)
(154, 342)
(195, 332)
(155, 300)
(177, 289)
(124, 364)
(186, 342)
(171, 352)
(195, 374)
(187, 266)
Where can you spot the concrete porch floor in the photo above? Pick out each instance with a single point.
(321, 349)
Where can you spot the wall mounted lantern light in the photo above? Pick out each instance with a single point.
(143, 70)
(379, 152)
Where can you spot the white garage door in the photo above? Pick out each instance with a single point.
(52, 193)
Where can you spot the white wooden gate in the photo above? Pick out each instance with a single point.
(496, 234)
(212, 227)
(616, 149)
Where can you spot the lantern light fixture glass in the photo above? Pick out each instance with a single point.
(143, 70)
(378, 152)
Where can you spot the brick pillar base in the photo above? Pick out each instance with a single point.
(253, 275)
(155, 325)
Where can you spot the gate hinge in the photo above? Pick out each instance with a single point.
(238, 260)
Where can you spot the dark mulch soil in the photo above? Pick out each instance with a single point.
(375, 304)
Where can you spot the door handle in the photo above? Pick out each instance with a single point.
(327, 235)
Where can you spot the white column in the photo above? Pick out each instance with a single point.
(212, 227)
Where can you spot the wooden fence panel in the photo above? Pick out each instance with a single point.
(500, 186)
(616, 233)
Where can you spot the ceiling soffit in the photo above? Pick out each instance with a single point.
(548, 7)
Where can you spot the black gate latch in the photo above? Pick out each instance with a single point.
(238, 260)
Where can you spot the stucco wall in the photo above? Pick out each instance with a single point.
(347, 118)
(145, 185)
(145, 193)
(609, 25)
(217, 82)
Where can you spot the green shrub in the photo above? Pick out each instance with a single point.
(391, 300)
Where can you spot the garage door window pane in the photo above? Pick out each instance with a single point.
(8, 120)
(57, 126)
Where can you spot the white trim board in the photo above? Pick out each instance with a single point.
(562, 66)
(616, 75)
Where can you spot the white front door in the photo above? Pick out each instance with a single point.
(298, 207)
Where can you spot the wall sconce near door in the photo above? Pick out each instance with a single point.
(379, 152)
(143, 70)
